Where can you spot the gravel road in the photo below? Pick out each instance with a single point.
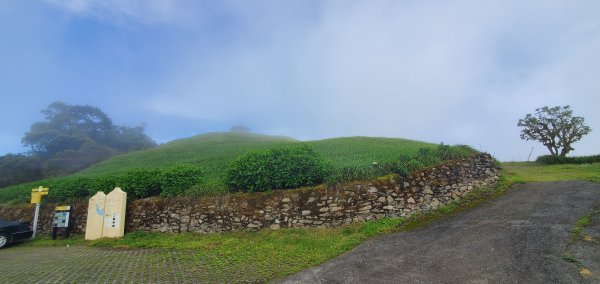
(520, 237)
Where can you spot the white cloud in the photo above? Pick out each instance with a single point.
(136, 11)
(452, 71)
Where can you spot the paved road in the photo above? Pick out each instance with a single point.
(80, 264)
(520, 237)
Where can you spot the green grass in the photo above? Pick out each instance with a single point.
(520, 172)
(578, 230)
(214, 151)
(572, 259)
(580, 226)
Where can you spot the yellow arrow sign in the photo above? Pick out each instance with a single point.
(37, 193)
(40, 189)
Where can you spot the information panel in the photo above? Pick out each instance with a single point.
(61, 219)
(114, 213)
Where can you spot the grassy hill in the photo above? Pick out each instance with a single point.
(214, 151)
(211, 151)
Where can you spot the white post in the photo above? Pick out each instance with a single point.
(35, 220)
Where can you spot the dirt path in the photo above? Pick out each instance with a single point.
(520, 237)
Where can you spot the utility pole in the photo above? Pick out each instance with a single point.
(530, 152)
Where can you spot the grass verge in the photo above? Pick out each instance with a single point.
(520, 172)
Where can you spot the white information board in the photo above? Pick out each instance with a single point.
(106, 215)
(114, 213)
(95, 216)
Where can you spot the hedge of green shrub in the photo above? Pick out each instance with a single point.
(278, 168)
(284, 167)
(553, 160)
(177, 180)
(138, 183)
(403, 165)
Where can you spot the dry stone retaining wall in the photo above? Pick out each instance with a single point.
(323, 206)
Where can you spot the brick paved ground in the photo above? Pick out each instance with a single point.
(78, 264)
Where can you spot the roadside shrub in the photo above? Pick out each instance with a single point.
(553, 160)
(447, 152)
(68, 189)
(104, 183)
(427, 157)
(404, 165)
(285, 167)
(208, 187)
(354, 172)
(15, 194)
(409, 163)
(584, 159)
(397, 168)
(176, 180)
(140, 183)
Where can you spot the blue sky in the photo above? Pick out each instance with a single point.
(452, 71)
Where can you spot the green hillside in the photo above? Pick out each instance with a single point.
(214, 151)
(211, 151)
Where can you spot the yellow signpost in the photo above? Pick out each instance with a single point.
(37, 193)
(36, 198)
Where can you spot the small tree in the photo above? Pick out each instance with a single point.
(555, 127)
(239, 128)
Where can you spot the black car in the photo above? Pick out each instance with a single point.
(11, 232)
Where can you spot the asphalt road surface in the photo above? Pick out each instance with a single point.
(520, 237)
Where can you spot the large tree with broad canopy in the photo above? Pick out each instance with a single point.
(555, 127)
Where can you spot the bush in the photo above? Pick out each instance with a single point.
(448, 153)
(355, 172)
(68, 189)
(140, 183)
(285, 167)
(176, 180)
(396, 168)
(553, 160)
(104, 183)
(404, 165)
(209, 187)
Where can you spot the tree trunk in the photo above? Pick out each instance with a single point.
(566, 149)
(551, 149)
